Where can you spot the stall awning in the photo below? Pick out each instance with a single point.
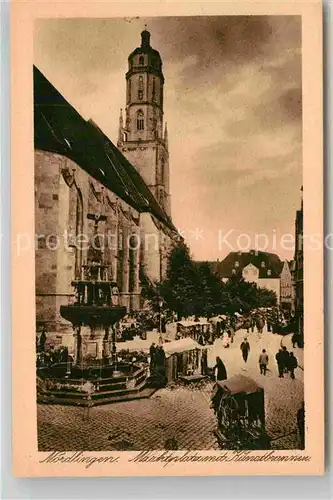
(59, 128)
(181, 345)
(187, 324)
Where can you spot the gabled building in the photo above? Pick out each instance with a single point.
(263, 268)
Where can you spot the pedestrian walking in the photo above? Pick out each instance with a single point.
(245, 348)
(285, 359)
(221, 371)
(263, 362)
(292, 365)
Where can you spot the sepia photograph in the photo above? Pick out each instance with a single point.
(169, 233)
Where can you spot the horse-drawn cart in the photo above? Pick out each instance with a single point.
(238, 403)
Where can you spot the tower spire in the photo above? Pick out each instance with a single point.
(121, 127)
(145, 38)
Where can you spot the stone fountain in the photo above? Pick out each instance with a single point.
(96, 309)
(94, 313)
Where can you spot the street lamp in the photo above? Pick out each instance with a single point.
(160, 340)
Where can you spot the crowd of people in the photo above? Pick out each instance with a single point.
(286, 362)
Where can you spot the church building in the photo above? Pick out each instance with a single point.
(82, 178)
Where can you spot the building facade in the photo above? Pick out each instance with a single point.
(298, 273)
(263, 268)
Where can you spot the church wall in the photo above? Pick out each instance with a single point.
(144, 159)
(150, 247)
(62, 203)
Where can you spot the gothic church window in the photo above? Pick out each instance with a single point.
(141, 60)
(162, 170)
(139, 120)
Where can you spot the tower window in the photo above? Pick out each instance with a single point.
(141, 60)
(141, 82)
(140, 91)
(236, 263)
(140, 124)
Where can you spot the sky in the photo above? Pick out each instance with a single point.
(233, 105)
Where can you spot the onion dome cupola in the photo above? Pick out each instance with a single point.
(145, 58)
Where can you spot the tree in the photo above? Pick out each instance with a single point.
(193, 289)
(180, 288)
(244, 296)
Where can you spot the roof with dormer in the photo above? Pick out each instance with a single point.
(269, 264)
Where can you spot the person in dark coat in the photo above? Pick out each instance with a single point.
(221, 369)
(282, 359)
(294, 339)
(292, 365)
(204, 363)
(245, 348)
(152, 353)
(285, 359)
(301, 425)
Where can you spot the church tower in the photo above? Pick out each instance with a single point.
(143, 137)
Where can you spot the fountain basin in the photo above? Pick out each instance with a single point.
(79, 314)
(130, 383)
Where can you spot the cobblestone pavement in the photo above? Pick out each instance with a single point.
(179, 414)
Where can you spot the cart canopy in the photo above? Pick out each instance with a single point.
(239, 384)
(181, 345)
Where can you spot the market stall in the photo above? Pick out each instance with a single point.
(184, 359)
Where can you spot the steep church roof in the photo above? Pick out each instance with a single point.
(59, 128)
